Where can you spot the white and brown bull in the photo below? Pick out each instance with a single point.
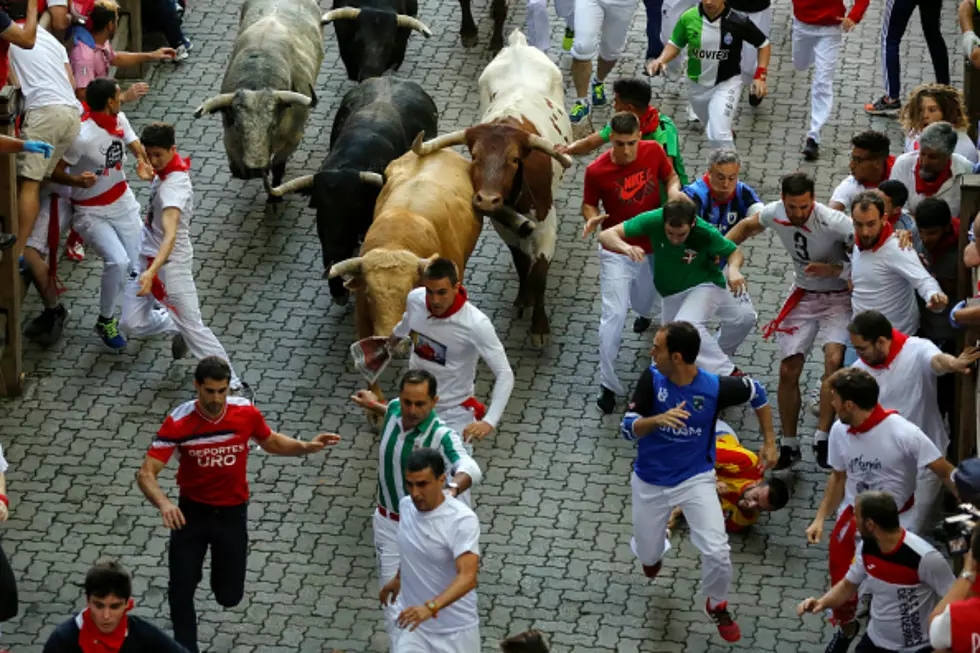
(516, 171)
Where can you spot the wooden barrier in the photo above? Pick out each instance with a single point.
(11, 357)
(129, 37)
(965, 422)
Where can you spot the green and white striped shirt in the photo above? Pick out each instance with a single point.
(397, 445)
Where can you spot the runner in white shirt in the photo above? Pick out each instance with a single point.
(449, 337)
(107, 215)
(870, 448)
(885, 277)
(161, 296)
(906, 369)
(935, 170)
(903, 573)
(871, 163)
(439, 541)
(818, 307)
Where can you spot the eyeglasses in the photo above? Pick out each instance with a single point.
(862, 159)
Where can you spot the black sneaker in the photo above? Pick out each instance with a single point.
(7, 241)
(820, 450)
(840, 642)
(883, 107)
(754, 100)
(811, 151)
(46, 328)
(178, 347)
(606, 401)
(641, 324)
(243, 390)
(788, 456)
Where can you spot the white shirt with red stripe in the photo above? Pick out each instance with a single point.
(176, 192)
(96, 150)
(884, 454)
(907, 383)
(949, 192)
(906, 585)
(212, 453)
(826, 237)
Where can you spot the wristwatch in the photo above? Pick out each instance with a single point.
(969, 575)
(433, 608)
(453, 485)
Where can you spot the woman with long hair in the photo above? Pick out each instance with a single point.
(931, 103)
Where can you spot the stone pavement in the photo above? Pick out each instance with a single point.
(555, 501)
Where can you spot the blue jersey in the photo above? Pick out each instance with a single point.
(668, 456)
(726, 215)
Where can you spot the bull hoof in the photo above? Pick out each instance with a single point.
(469, 40)
(540, 340)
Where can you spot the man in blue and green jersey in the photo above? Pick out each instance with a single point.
(410, 422)
(713, 35)
(687, 275)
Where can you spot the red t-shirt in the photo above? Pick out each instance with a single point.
(627, 191)
(964, 623)
(212, 454)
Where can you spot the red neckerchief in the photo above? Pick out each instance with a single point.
(176, 164)
(93, 640)
(650, 121)
(103, 120)
(888, 172)
(898, 341)
(886, 232)
(930, 188)
(711, 192)
(950, 241)
(452, 310)
(876, 417)
(787, 223)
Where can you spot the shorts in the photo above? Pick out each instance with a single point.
(58, 125)
(38, 240)
(821, 318)
(601, 27)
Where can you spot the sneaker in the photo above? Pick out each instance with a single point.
(7, 241)
(579, 113)
(883, 107)
(182, 53)
(754, 100)
(840, 642)
(178, 347)
(242, 389)
(737, 372)
(598, 93)
(606, 401)
(820, 450)
(788, 456)
(691, 115)
(568, 40)
(727, 627)
(46, 328)
(641, 324)
(108, 330)
(74, 249)
(811, 151)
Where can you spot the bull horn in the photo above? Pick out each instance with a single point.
(372, 178)
(347, 267)
(213, 104)
(548, 148)
(292, 186)
(350, 13)
(292, 97)
(414, 23)
(424, 262)
(437, 143)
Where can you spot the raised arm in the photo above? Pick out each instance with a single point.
(745, 229)
(26, 36)
(283, 445)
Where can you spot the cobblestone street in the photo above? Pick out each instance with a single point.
(555, 501)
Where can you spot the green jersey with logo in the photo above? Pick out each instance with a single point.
(714, 47)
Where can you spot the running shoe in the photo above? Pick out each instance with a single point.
(579, 113)
(820, 450)
(811, 151)
(840, 642)
(178, 347)
(108, 330)
(46, 328)
(883, 107)
(598, 93)
(788, 456)
(727, 627)
(568, 40)
(606, 401)
(641, 324)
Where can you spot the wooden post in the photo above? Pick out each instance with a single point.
(966, 387)
(11, 359)
(129, 36)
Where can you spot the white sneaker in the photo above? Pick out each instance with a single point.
(691, 115)
(182, 53)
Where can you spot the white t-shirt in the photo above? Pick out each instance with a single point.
(96, 150)
(173, 192)
(949, 192)
(906, 585)
(965, 147)
(887, 279)
(429, 543)
(885, 458)
(450, 347)
(41, 73)
(826, 237)
(908, 385)
(847, 190)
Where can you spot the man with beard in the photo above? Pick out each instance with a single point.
(935, 170)
(905, 576)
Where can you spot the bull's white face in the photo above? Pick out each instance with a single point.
(253, 118)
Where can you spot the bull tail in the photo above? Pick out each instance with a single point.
(517, 38)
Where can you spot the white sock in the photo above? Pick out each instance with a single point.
(792, 443)
(583, 100)
(820, 436)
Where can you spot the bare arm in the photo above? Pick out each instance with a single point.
(84, 180)
(10, 145)
(467, 566)
(765, 54)
(146, 478)
(673, 183)
(171, 216)
(971, 256)
(126, 59)
(960, 590)
(283, 445)
(944, 469)
(745, 229)
(769, 456)
(24, 37)
(614, 239)
(60, 20)
(836, 597)
(837, 206)
(966, 15)
(670, 53)
(137, 149)
(832, 496)
(583, 145)
(946, 363)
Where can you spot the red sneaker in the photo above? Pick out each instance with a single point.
(727, 627)
(74, 247)
(737, 372)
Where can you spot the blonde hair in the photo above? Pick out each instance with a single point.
(949, 99)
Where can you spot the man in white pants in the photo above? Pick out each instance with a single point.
(601, 27)
(687, 275)
(627, 181)
(906, 369)
(760, 13)
(107, 215)
(409, 422)
(538, 27)
(714, 34)
(818, 306)
(817, 29)
(449, 336)
(161, 296)
(439, 540)
(673, 414)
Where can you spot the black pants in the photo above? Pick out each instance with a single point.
(163, 15)
(225, 530)
(867, 646)
(897, 15)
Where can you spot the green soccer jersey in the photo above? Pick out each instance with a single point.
(677, 268)
(714, 47)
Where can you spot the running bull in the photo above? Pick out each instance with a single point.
(372, 34)
(374, 125)
(267, 90)
(516, 169)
